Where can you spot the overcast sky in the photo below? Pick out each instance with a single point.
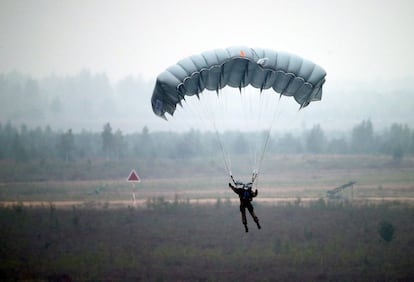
(351, 39)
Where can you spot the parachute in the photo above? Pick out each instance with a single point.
(238, 67)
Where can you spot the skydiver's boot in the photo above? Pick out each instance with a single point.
(244, 220)
(256, 219)
(257, 222)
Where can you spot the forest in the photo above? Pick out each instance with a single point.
(32, 144)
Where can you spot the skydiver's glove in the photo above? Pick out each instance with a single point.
(230, 185)
(256, 191)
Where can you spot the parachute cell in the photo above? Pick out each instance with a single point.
(238, 67)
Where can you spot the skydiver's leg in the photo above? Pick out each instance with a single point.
(255, 218)
(244, 219)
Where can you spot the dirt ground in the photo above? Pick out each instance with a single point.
(142, 203)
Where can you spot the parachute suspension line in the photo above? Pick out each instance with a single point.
(275, 117)
(247, 98)
(205, 113)
(213, 118)
(190, 110)
(265, 100)
(258, 113)
(226, 158)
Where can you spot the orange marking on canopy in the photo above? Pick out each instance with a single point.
(242, 53)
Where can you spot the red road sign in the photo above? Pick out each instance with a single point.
(133, 176)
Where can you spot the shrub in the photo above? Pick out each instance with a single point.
(386, 231)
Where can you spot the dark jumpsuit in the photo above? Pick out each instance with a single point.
(246, 196)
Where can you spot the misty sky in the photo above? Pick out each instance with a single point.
(351, 39)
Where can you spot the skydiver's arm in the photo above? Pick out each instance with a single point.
(231, 176)
(255, 193)
(233, 188)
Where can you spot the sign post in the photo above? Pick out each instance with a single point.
(134, 178)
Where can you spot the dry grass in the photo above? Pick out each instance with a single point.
(283, 178)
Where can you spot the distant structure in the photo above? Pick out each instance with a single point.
(335, 193)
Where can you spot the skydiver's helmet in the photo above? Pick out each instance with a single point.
(239, 183)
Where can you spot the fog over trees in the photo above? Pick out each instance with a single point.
(82, 101)
(86, 116)
(88, 100)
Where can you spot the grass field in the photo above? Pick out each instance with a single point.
(283, 178)
(185, 224)
(185, 242)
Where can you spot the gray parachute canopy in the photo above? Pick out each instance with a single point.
(238, 67)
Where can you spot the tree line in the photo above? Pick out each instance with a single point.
(24, 144)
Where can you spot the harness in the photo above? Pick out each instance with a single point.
(247, 194)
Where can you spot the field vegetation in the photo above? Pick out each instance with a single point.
(179, 241)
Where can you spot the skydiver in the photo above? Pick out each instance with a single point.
(246, 196)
